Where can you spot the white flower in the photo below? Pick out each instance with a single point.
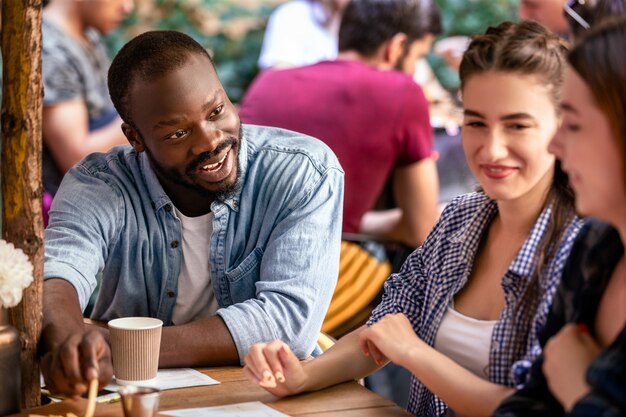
(16, 273)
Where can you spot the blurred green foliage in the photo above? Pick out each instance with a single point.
(233, 30)
(467, 18)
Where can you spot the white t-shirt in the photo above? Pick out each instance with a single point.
(466, 340)
(196, 299)
(295, 35)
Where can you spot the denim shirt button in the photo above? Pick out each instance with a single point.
(168, 207)
(174, 244)
(171, 294)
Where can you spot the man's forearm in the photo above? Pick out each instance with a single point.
(200, 343)
(62, 315)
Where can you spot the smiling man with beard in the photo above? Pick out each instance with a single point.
(229, 234)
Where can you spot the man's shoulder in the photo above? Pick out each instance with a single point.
(263, 142)
(120, 164)
(103, 182)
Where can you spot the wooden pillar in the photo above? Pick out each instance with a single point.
(22, 222)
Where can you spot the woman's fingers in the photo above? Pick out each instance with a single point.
(290, 363)
(275, 371)
(376, 354)
(248, 373)
(254, 361)
(264, 362)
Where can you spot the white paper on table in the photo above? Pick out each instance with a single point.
(251, 409)
(174, 378)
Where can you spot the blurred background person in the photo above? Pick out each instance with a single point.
(366, 107)
(301, 32)
(78, 115)
(581, 15)
(547, 12)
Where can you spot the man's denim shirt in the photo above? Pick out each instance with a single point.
(274, 250)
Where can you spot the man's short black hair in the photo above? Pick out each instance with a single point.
(367, 24)
(148, 57)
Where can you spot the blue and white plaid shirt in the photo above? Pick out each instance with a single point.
(434, 273)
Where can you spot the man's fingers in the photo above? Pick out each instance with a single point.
(56, 380)
(48, 373)
(89, 360)
(68, 357)
(105, 369)
(95, 357)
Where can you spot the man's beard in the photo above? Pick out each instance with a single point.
(224, 189)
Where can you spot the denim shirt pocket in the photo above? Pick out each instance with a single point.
(242, 278)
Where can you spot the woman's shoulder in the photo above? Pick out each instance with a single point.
(460, 219)
(465, 207)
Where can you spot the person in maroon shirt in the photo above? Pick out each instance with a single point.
(365, 106)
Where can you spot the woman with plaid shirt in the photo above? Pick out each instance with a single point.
(463, 313)
(582, 371)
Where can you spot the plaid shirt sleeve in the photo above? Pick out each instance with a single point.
(402, 292)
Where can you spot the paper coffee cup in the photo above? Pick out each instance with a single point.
(135, 345)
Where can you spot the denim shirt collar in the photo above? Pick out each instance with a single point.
(160, 198)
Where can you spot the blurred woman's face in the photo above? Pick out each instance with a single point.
(509, 119)
(589, 153)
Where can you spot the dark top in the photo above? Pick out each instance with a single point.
(586, 275)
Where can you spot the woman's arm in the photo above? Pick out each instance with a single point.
(393, 338)
(274, 367)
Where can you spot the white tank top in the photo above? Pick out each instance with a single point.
(195, 299)
(466, 340)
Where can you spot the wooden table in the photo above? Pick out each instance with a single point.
(348, 399)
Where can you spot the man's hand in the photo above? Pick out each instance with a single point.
(68, 368)
(274, 367)
(567, 355)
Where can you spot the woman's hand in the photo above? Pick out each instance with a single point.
(567, 355)
(274, 367)
(391, 338)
